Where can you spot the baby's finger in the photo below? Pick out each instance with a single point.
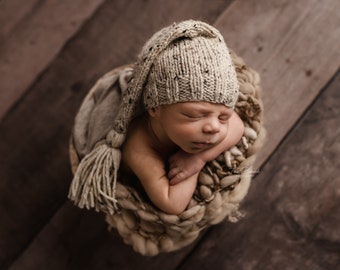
(172, 165)
(177, 179)
(173, 172)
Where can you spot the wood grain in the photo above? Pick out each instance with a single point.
(31, 34)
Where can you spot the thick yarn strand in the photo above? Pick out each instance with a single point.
(94, 183)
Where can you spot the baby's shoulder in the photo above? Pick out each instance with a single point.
(137, 139)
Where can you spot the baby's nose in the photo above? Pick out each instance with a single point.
(213, 126)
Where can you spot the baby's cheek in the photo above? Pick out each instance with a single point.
(189, 134)
(188, 130)
(224, 132)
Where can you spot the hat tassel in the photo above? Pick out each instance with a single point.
(94, 183)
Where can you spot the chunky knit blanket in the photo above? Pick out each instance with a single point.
(222, 183)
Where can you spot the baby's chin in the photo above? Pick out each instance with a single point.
(196, 148)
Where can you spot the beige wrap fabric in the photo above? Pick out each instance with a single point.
(222, 184)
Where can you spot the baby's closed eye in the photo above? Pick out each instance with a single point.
(224, 117)
(193, 116)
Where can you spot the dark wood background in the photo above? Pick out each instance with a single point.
(52, 52)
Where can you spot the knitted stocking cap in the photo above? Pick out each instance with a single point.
(197, 69)
(188, 61)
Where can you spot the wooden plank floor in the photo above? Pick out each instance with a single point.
(293, 205)
(34, 32)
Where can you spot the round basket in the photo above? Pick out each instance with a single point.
(222, 183)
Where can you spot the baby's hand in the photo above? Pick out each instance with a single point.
(183, 165)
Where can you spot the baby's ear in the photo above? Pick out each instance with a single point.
(154, 112)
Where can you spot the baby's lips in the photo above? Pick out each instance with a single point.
(203, 144)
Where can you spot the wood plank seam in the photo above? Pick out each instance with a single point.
(13, 54)
(298, 121)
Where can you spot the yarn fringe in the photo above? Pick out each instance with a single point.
(94, 183)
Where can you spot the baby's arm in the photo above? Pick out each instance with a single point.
(150, 169)
(182, 164)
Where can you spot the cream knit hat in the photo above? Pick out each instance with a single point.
(188, 61)
(192, 69)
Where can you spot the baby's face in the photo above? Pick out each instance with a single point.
(195, 126)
